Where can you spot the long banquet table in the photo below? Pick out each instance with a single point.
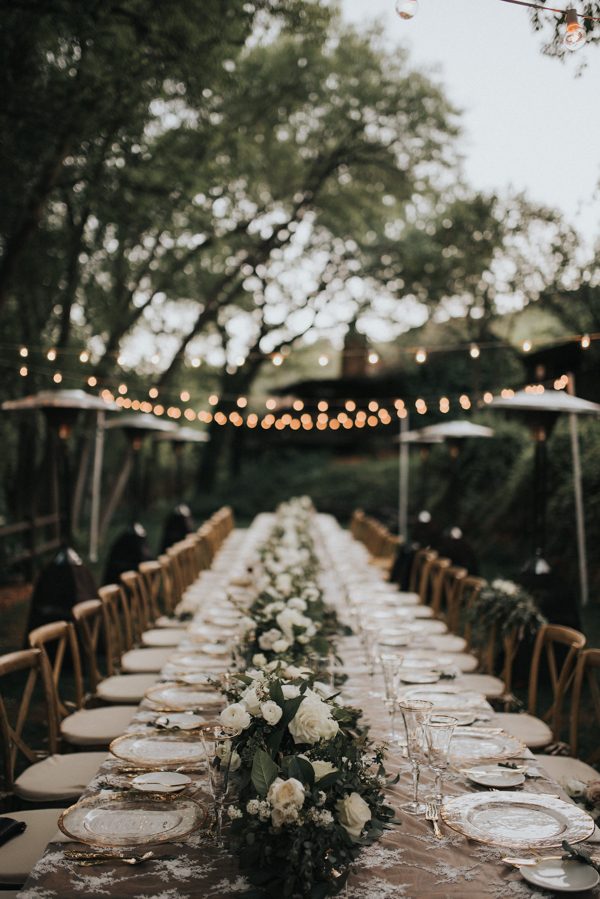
(407, 862)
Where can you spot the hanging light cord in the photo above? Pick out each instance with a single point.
(545, 8)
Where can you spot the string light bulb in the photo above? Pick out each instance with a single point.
(526, 346)
(575, 36)
(474, 351)
(585, 342)
(421, 355)
(407, 9)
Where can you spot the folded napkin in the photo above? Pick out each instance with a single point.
(10, 828)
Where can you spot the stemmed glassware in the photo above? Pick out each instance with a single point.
(217, 746)
(438, 734)
(415, 713)
(390, 666)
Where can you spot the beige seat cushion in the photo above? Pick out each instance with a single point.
(432, 626)
(58, 777)
(97, 727)
(145, 660)
(563, 768)
(19, 855)
(421, 612)
(166, 636)
(165, 621)
(124, 688)
(531, 730)
(490, 686)
(447, 643)
(408, 598)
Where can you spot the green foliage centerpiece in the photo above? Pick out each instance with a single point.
(309, 783)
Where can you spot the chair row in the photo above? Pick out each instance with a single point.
(79, 683)
(378, 539)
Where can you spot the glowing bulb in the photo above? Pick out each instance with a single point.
(24, 352)
(474, 351)
(373, 358)
(585, 342)
(323, 360)
(23, 371)
(57, 377)
(277, 359)
(421, 356)
(213, 400)
(84, 356)
(51, 355)
(184, 396)
(407, 9)
(92, 381)
(575, 36)
(153, 393)
(526, 346)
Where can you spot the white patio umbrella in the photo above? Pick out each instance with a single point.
(542, 409)
(405, 439)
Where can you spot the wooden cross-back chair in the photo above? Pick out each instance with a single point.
(434, 591)
(94, 637)
(562, 673)
(135, 597)
(463, 599)
(168, 597)
(419, 571)
(151, 574)
(59, 640)
(587, 672)
(12, 727)
(356, 522)
(450, 584)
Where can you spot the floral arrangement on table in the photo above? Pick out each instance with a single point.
(308, 782)
(586, 795)
(506, 606)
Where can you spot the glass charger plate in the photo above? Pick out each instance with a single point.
(444, 697)
(112, 819)
(517, 820)
(172, 697)
(191, 661)
(472, 744)
(158, 749)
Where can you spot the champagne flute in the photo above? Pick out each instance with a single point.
(218, 750)
(438, 734)
(415, 713)
(390, 666)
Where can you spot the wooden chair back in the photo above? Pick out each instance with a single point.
(117, 623)
(587, 673)
(57, 641)
(561, 673)
(139, 610)
(465, 598)
(95, 637)
(451, 580)
(419, 571)
(434, 591)
(14, 716)
(151, 584)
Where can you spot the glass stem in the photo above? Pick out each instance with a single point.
(393, 721)
(438, 786)
(415, 775)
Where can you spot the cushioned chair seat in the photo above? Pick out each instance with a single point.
(563, 768)
(124, 688)
(408, 598)
(432, 626)
(531, 730)
(165, 621)
(490, 686)
(145, 660)
(421, 612)
(19, 855)
(163, 636)
(97, 727)
(448, 643)
(58, 777)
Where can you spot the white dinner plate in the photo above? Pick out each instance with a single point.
(568, 876)
(495, 776)
(161, 782)
(517, 820)
(446, 697)
(470, 744)
(181, 720)
(419, 677)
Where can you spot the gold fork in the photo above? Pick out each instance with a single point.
(432, 814)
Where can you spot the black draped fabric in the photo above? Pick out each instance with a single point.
(63, 583)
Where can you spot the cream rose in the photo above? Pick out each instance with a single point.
(286, 798)
(271, 712)
(266, 640)
(290, 618)
(235, 716)
(322, 768)
(251, 700)
(313, 721)
(353, 813)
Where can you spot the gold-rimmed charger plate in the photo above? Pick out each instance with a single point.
(116, 819)
(446, 697)
(470, 744)
(175, 697)
(517, 820)
(159, 749)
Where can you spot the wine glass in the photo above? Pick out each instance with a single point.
(438, 734)
(390, 666)
(415, 713)
(218, 751)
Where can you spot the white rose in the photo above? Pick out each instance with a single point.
(286, 798)
(297, 603)
(259, 660)
(251, 700)
(290, 618)
(322, 768)
(225, 754)
(290, 691)
(271, 712)
(247, 625)
(281, 645)
(235, 716)
(353, 813)
(273, 608)
(266, 640)
(283, 583)
(313, 721)
(303, 639)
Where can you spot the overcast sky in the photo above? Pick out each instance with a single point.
(530, 122)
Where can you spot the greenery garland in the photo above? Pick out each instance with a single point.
(308, 781)
(506, 606)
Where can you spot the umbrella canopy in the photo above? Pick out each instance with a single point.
(61, 399)
(457, 430)
(417, 436)
(183, 435)
(553, 401)
(141, 421)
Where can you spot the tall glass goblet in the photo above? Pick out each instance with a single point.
(390, 666)
(217, 746)
(438, 734)
(415, 713)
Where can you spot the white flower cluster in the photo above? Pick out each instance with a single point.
(507, 587)
(320, 817)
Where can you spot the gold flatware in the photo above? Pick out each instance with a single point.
(432, 814)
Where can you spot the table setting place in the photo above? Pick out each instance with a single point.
(311, 734)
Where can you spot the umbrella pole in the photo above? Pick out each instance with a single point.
(539, 508)
(96, 486)
(403, 482)
(578, 492)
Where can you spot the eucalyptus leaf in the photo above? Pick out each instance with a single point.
(264, 772)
